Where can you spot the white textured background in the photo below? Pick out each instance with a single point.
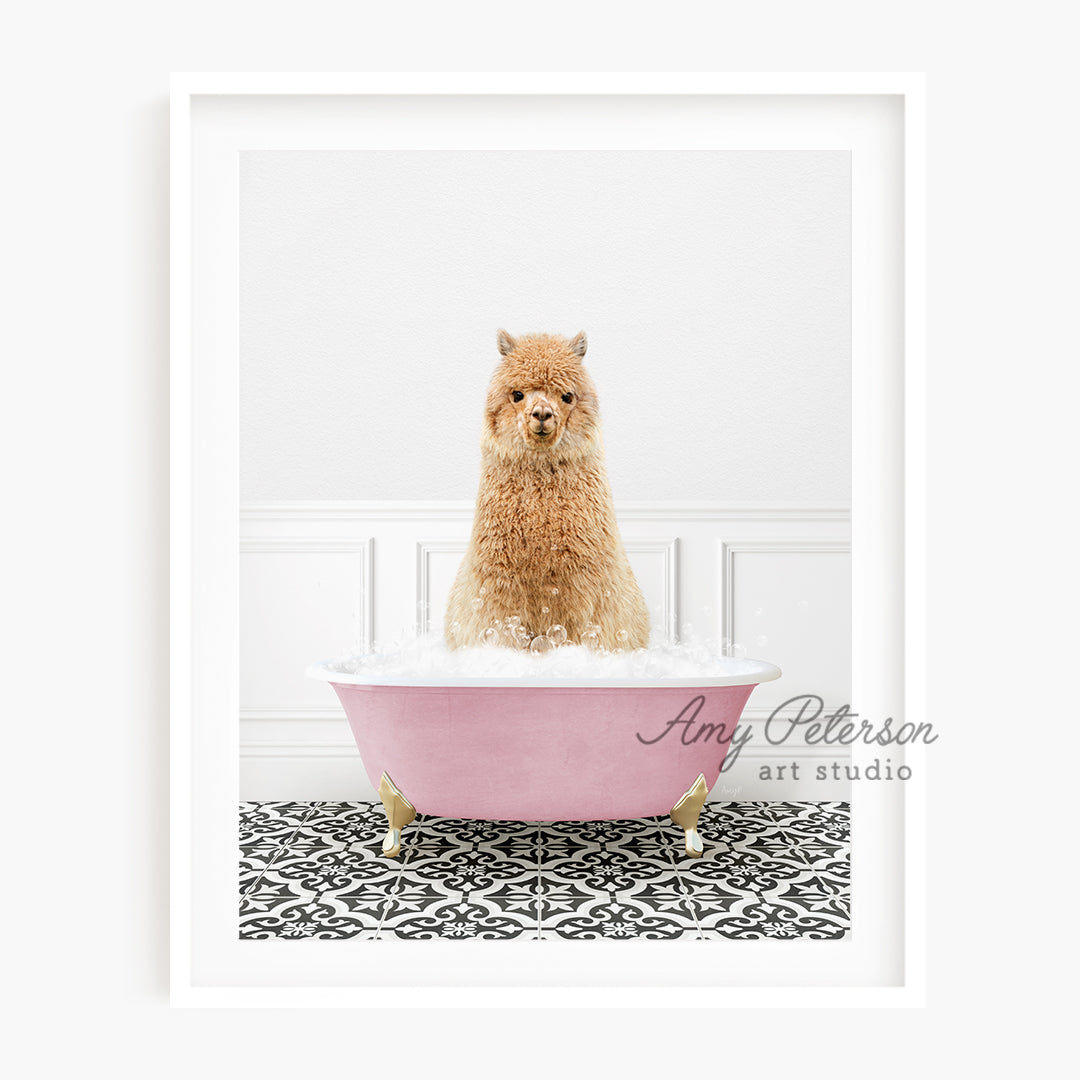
(86, 439)
(714, 287)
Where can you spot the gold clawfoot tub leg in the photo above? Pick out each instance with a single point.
(399, 812)
(685, 814)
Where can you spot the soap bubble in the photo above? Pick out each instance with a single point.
(477, 603)
(607, 593)
(621, 635)
(491, 636)
(545, 610)
(590, 639)
(557, 634)
(541, 644)
(554, 592)
(483, 590)
(513, 622)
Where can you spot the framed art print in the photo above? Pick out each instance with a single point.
(737, 262)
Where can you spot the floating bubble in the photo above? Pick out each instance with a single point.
(554, 592)
(590, 639)
(541, 644)
(621, 635)
(483, 590)
(545, 610)
(557, 634)
(491, 636)
(513, 621)
(477, 603)
(654, 667)
(607, 593)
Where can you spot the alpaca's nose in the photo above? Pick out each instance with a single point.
(542, 413)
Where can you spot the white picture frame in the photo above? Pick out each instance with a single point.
(214, 116)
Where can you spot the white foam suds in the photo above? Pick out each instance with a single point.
(427, 657)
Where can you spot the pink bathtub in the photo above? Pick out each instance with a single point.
(558, 750)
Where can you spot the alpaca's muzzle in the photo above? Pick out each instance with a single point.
(542, 420)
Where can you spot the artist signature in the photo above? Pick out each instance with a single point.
(802, 714)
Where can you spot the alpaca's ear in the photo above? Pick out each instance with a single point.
(579, 344)
(506, 343)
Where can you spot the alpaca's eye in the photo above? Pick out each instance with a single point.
(517, 395)
(568, 398)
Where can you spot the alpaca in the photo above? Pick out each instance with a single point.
(545, 549)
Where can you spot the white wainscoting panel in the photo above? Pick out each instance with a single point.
(656, 566)
(321, 579)
(297, 596)
(437, 563)
(781, 600)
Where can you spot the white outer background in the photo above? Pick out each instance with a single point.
(87, 454)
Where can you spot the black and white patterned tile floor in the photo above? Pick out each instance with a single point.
(770, 870)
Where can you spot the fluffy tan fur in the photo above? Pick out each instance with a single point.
(544, 534)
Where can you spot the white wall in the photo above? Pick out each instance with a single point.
(714, 287)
